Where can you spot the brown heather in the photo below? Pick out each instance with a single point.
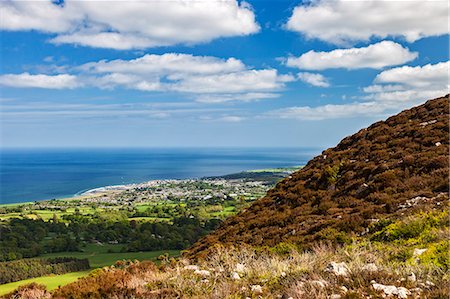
(367, 176)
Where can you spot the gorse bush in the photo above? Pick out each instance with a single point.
(420, 227)
(438, 255)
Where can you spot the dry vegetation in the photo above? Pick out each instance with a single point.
(355, 270)
(370, 175)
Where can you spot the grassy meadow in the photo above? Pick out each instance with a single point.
(107, 254)
(51, 282)
(98, 255)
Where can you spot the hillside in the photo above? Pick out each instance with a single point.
(379, 172)
(365, 219)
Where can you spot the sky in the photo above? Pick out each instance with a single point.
(214, 73)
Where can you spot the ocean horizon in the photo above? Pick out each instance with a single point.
(42, 174)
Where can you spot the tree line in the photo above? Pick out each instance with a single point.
(29, 268)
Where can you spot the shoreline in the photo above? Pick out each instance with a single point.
(123, 187)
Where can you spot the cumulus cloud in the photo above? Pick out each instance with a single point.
(26, 80)
(168, 63)
(206, 79)
(314, 79)
(430, 75)
(376, 56)
(238, 82)
(344, 22)
(408, 83)
(130, 24)
(394, 90)
(220, 78)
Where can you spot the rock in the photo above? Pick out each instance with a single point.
(426, 123)
(235, 276)
(338, 269)
(283, 274)
(403, 292)
(390, 290)
(257, 289)
(203, 273)
(419, 251)
(414, 202)
(438, 144)
(191, 267)
(371, 267)
(343, 289)
(239, 268)
(411, 277)
(335, 296)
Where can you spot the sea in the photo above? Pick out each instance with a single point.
(28, 175)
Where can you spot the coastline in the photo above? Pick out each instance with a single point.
(123, 187)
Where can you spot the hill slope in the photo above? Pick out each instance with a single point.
(392, 167)
(385, 189)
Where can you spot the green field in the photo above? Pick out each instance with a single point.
(45, 214)
(98, 257)
(51, 282)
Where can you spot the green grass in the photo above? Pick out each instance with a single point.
(51, 282)
(10, 205)
(99, 256)
(48, 214)
(227, 211)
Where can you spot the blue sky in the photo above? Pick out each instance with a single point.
(218, 73)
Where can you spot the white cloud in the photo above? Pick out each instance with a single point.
(247, 97)
(382, 88)
(25, 80)
(13, 112)
(395, 89)
(130, 24)
(35, 15)
(330, 111)
(343, 22)
(409, 83)
(377, 56)
(429, 75)
(314, 79)
(223, 79)
(165, 64)
(238, 82)
(405, 98)
(206, 79)
(231, 118)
